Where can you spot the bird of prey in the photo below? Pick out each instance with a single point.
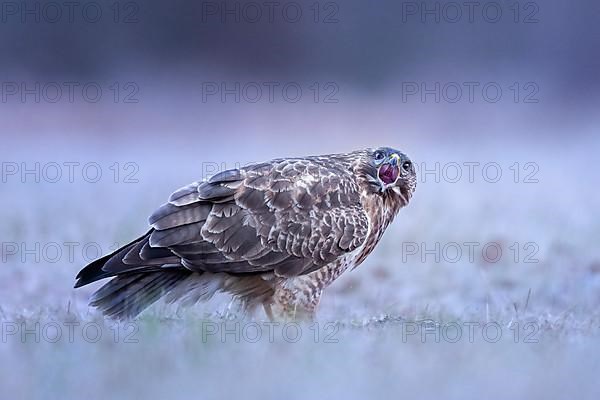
(272, 234)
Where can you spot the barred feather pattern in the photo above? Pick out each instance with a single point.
(272, 234)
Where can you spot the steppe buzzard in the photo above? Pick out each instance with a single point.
(273, 234)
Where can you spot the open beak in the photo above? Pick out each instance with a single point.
(389, 170)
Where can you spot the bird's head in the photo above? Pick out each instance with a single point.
(389, 172)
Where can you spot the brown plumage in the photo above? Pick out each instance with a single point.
(273, 234)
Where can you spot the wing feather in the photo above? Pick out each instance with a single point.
(290, 216)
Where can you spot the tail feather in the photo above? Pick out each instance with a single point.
(141, 277)
(99, 269)
(128, 295)
(115, 286)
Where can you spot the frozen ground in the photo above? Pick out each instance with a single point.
(528, 319)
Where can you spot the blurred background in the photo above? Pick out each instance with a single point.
(106, 107)
(169, 56)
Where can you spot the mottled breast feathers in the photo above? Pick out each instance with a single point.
(290, 216)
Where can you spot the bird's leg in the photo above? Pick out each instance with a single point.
(305, 312)
(294, 300)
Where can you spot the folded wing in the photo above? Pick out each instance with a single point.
(289, 216)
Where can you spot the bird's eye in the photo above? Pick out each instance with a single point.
(379, 156)
(406, 165)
